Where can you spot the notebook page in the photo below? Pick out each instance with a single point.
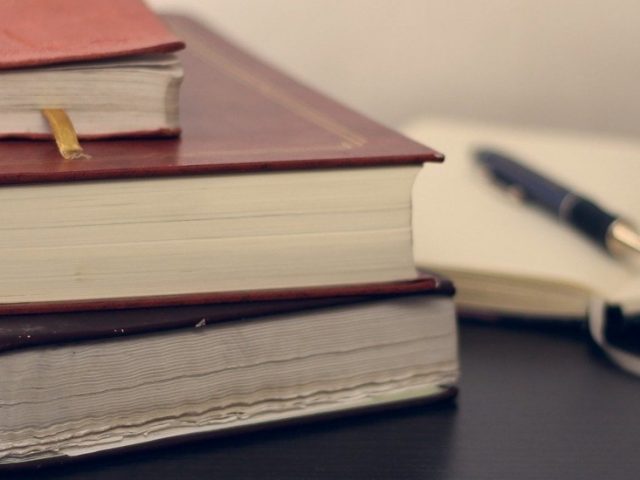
(464, 222)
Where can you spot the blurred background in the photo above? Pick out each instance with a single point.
(571, 64)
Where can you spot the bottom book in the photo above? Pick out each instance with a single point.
(84, 383)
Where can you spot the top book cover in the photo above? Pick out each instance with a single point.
(237, 114)
(45, 32)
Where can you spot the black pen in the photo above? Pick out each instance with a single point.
(608, 230)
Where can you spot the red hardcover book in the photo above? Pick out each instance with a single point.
(271, 186)
(107, 64)
(44, 32)
(82, 384)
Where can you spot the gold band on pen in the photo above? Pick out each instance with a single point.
(64, 134)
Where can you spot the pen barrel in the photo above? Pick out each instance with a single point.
(587, 217)
(600, 226)
(526, 183)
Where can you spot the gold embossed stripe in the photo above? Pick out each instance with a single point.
(64, 133)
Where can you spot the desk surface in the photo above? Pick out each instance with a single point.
(534, 403)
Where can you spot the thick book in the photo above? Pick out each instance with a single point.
(81, 384)
(270, 186)
(109, 65)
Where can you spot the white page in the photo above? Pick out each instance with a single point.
(464, 222)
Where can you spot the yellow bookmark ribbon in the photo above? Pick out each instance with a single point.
(64, 133)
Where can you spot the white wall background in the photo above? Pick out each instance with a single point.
(557, 63)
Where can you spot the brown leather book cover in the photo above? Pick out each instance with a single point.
(237, 115)
(23, 331)
(44, 32)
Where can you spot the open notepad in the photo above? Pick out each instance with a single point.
(513, 259)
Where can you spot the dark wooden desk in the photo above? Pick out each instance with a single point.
(534, 404)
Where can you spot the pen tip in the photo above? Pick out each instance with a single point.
(482, 154)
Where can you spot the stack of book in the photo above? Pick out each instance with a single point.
(256, 270)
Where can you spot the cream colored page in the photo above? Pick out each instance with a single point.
(464, 222)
